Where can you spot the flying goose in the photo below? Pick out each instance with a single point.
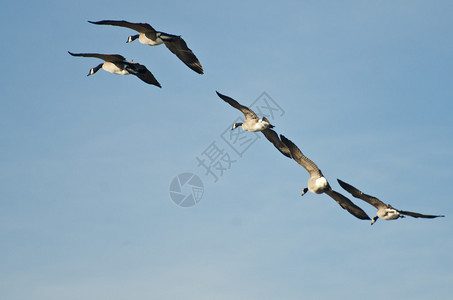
(318, 183)
(148, 36)
(384, 211)
(253, 123)
(117, 64)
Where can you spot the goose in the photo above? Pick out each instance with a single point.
(252, 123)
(384, 211)
(117, 64)
(148, 36)
(318, 184)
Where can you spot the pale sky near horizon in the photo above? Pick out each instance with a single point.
(87, 163)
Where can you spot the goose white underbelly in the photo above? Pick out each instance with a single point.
(388, 214)
(147, 41)
(318, 185)
(254, 125)
(112, 68)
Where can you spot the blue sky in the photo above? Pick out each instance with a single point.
(86, 162)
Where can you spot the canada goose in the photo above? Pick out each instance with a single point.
(117, 64)
(318, 183)
(148, 36)
(253, 123)
(384, 211)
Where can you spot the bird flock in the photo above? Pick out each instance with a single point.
(317, 183)
(117, 64)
